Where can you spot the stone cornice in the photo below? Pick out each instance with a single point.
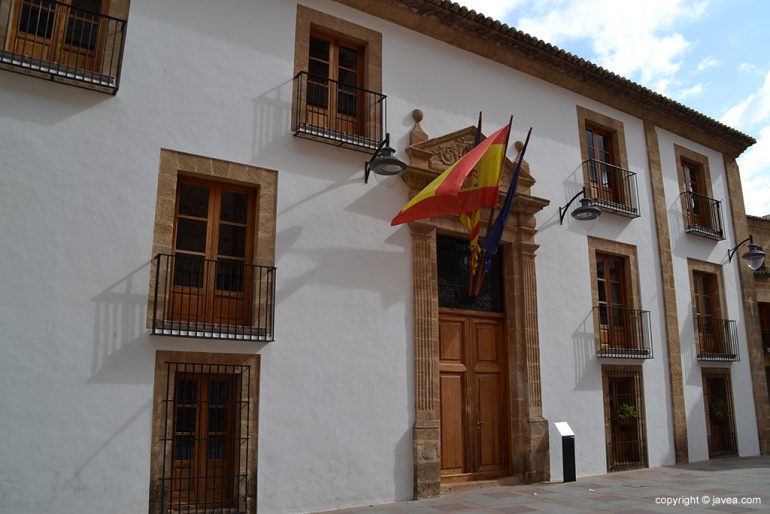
(458, 26)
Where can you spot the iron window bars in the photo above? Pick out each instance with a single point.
(717, 339)
(720, 419)
(54, 40)
(704, 215)
(623, 333)
(215, 299)
(206, 446)
(612, 188)
(333, 112)
(626, 444)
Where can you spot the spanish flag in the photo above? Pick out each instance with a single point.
(451, 193)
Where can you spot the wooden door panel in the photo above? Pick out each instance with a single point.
(487, 342)
(452, 424)
(473, 395)
(451, 340)
(490, 432)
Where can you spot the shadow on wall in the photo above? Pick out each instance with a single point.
(272, 117)
(342, 268)
(584, 346)
(122, 351)
(74, 483)
(403, 482)
(53, 103)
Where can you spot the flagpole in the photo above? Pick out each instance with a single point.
(470, 262)
(501, 220)
(477, 289)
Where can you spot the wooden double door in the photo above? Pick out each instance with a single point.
(474, 392)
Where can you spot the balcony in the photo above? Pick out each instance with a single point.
(717, 339)
(623, 333)
(214, 299)
(703, 215)
(332, 112)
(612, 188)
(56, 41)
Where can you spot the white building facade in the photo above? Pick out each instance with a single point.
(205, 307)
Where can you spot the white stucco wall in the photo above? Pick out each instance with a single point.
(683, 246)
(78, 179)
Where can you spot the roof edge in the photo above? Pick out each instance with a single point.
(493, 39)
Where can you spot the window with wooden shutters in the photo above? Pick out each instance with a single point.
(716, 338)
(72, 39)
(212, 275)
(607, 179)
(623, 329)
(205, 424)
(702, 213)
(211, 278)
(334, 98)
(337, 82)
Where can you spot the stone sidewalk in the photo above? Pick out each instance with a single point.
(721, 485)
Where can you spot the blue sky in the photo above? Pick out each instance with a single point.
(711, 55)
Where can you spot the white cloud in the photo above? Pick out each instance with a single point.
(748, 69)
(752, 111)
(706, 63)
(755, 175)
(633, 39)
(690, 91)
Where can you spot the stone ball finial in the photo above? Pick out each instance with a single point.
(518, 145)
(417, 135)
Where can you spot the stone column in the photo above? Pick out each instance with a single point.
(426, 431)
(673, 347)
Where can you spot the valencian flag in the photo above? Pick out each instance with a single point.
(448, 193)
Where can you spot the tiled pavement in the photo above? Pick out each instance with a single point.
(704, 486)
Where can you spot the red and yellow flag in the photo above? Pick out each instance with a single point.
(449, 194)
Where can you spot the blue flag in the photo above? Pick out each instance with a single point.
(491, 241)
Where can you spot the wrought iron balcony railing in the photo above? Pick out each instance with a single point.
(222, 299)
(337, 113)
(54, 40)
(703, 215)
(623, 333)
(612, 188)
(717, 339)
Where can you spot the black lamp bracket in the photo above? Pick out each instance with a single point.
(563, 210)
(731, 252)
(368, 164)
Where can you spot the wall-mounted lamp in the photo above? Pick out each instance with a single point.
(586, 212)
(754, 257)
(383, 162)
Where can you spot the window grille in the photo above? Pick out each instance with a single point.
(624, 418)
(205, 438)
(453, 256)
(720, 421)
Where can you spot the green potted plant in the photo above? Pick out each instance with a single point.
(625, 413)
(719, 408)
